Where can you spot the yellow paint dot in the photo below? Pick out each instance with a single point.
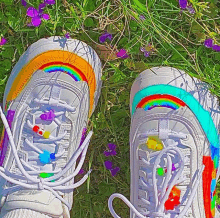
(213, 212)
(154, 143)
(214, 174)
(46, 134)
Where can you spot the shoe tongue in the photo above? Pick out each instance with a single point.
(48, 146)
(39, 200)
(46, 124)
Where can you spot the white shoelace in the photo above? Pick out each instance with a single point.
(157, 209)
(45, 183)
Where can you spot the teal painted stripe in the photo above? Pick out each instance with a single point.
(202, 115)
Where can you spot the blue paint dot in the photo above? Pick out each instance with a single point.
(213, 185)
(52, 156)
(45, 157)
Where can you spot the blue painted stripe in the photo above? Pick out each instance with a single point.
(201, 114)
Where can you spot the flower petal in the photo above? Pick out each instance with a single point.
(50, 2)
(24, 3)
(111, 146)
(105, 36)
(46, 16)
(36, 21)
(216, 47)
(83, 136)
(81, 171)
(113, 153)
(107, 153)
(208, 43)
(114, 171)
(3, 41)
(146, 54)
(110, 153)
(142, 49)
(41, 7)
(108, 165)
(32, 12)
(122, 54)
(142, 17)
(67, 35)
(183, 4)
(191, 9)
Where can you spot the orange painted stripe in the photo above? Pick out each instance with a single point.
(53, 56)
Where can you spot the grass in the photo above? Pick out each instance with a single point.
(177, 38)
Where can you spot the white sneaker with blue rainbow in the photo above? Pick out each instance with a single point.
(174, 146)
(49, 96)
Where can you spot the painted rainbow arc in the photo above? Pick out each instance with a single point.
(160, 100)
(67, 68)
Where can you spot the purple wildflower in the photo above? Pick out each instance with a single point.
(83, 136)
(122, 54)
(114, 171)
(3, 41)
(32, 12)
(216, 48)
(146, 54)
(142, 17)
(142, 49)
(208, 43)
(67, 35)
(191, 9)
(41, 7)
(111, 146)
(105, 36)
(36, 21)
(24, 3)
(183, 4)
(36, 16)
(82, 140)
(81, 171)
(108, 165)
(49, 2)
(46, 16)
(218, 206)
(110, 153)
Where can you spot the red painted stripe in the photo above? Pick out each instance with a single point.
(64, 64)
(207, 179)
(159, 96)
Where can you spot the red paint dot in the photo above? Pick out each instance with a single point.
(36, 128)
(40, 132)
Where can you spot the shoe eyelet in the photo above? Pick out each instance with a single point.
(186, 138)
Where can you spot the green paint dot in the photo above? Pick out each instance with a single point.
(46, 175)
(216, 162)
(160, 171)
(213, 202)
(43, 175)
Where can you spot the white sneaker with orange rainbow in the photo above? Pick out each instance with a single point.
(50, 94)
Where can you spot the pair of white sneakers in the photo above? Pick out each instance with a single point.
(49, 96)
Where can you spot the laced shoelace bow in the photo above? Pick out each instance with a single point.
(157, 209)
(45, 183)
